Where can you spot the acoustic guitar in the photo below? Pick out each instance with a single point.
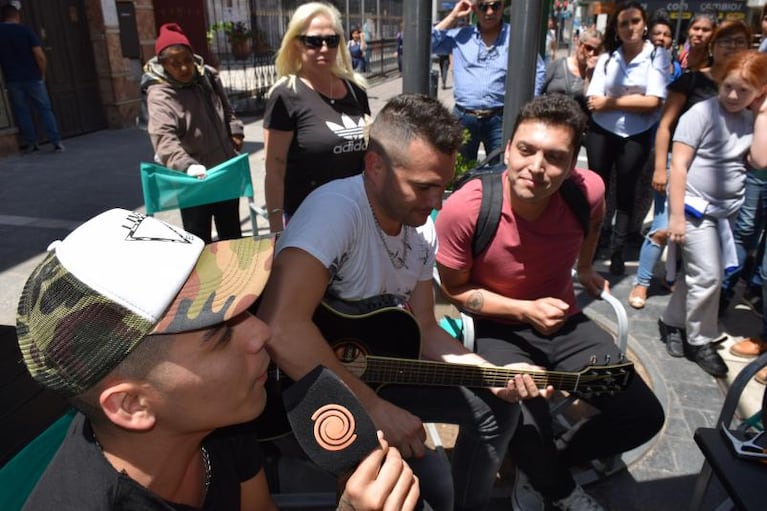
(382, 347)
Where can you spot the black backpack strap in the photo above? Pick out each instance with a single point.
(489, 212)
(573, 195)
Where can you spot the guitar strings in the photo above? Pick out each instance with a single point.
(393, 370)
(376, 369)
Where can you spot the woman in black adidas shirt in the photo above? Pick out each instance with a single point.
(316, 113)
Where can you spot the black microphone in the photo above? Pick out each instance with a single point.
(330, 424)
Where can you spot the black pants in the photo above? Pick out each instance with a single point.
(628, 156)
(198, 220)
(626, 420)
(444, 64)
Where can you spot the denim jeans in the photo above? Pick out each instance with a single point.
(748, 227)
(486, 427)
(650, 253)
(21, 94)
(488, 130)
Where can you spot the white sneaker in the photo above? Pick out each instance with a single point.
(578, 500)
(523, 496)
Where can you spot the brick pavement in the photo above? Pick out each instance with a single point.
(45, 195)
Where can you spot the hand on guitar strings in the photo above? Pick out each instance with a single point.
(522, 386)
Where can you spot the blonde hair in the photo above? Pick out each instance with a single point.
(288, 61)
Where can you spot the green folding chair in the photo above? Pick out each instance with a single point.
(165, 189)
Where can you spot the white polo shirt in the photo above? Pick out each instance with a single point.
(614, 77)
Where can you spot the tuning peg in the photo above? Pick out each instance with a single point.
(593, 359)
(607, 359)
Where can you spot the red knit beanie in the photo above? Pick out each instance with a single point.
(170, 34)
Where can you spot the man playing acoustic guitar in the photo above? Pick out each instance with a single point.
(369, 239)
(519, 288)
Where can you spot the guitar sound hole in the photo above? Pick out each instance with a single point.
(352, 356)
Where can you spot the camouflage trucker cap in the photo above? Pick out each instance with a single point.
(119, 277)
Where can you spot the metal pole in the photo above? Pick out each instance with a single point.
(416, 57)
(526, 23)
(348, 25)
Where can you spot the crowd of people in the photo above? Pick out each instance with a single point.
(166, 360)
(635, 87)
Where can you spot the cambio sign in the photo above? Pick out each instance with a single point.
(734, 9)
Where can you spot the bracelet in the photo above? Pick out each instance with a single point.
(275, 211)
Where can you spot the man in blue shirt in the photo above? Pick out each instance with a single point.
(23, 63)
(480, 60)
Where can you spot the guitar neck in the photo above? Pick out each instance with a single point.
(426, 372)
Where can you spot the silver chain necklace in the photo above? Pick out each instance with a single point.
(397, 260)
(208, 471)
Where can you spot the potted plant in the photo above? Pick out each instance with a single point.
(237, 33)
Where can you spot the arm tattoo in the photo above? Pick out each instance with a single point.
(475, 302)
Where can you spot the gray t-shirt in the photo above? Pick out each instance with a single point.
(721, 141)
(336, 226)
(560, 80)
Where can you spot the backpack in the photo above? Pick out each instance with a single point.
(492, 201)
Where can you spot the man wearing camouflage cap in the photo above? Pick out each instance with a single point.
(146, 330)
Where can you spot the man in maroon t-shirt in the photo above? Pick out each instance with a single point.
(520, 291)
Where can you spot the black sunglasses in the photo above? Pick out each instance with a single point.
(489, 5)
(315, 41)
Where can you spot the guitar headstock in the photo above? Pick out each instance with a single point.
(596, 380)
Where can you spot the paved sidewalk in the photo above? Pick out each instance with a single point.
(45, 195)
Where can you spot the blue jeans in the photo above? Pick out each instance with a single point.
(21, 94)
(650, 253)
(486, 427)
(748, 226)
(488, 130)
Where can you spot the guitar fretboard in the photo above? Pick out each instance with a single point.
(375, 369)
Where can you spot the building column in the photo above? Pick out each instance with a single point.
(119, 77)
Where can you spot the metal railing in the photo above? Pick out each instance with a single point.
(247, 81)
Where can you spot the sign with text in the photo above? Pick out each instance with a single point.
(733, 9)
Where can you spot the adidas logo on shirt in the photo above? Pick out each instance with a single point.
(353, 132)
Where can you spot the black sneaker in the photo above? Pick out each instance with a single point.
(59, 148)
(27, 149)
(674, 338)
(707, 358)
(752, 297)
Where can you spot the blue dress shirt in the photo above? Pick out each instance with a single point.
(479, 72)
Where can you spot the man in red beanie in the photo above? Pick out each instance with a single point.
(191, 125)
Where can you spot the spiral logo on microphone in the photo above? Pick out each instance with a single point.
(334, 427)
